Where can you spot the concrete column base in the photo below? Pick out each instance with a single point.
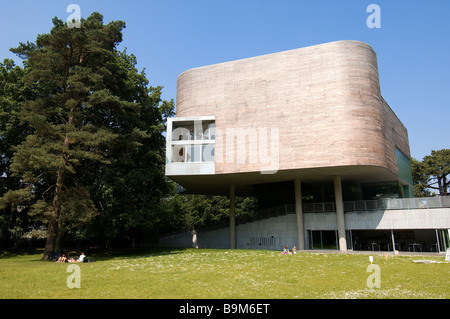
(299, 215)
(232, 217)
(340, 213)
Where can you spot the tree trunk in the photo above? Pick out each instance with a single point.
(53, 226)
(53, 232)
(50, 244)
(444, 185)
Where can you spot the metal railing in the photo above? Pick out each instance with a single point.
(325, 207)
(398, 203)
(415, 203)
(361, 205)
(349, 206)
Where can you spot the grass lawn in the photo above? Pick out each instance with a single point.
(223, 274)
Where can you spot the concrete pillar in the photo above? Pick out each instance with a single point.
(299, 215)
(232, 217)
(393, 241)
(340, 213)
(438, 247)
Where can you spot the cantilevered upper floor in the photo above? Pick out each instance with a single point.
(310, 113)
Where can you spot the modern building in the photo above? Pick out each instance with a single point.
(309, 134)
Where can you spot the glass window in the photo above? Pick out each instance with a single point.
(323, 239)
(182, 132)
(193, 141)
(208, 151)
(404, 167)
(178, 153)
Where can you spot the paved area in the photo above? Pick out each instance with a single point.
(376, 252)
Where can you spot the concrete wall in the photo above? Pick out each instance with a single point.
(272, 233)
(436, 218)
(275, 232)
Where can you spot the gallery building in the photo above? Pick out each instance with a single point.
(308, 133)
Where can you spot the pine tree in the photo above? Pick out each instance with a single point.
(85, 111)
(433, 173)
(437, 167)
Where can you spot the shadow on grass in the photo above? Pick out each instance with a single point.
(100, 254)
(15, 252)
(96, 253)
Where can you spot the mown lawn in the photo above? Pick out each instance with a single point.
(223, 274)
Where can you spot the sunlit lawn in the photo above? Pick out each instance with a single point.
(224, 274)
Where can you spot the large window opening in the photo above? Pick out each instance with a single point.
(193, 141)
(323, 239)
(405, 173)
(412, 240)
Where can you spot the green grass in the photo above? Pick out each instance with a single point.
(205, 273)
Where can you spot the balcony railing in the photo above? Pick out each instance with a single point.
(381, 204)
(362, 205)
(415, 203)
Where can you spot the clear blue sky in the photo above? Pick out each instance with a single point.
(171, 36)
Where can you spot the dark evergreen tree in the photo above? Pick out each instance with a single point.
(13, 92)
(96, 149)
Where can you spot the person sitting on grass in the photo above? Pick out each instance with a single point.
(286, 250)
(80, 259)
(72, 260)
(62, 259)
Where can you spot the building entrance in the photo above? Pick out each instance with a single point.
(413, 240)
(323, 239)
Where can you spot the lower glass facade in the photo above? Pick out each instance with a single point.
(404, 172)
(282, 193)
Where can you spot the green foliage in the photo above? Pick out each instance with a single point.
(82, 144)
(432, 174)
(420, 179)
(90, 163)
(13, 93)
(196, 211)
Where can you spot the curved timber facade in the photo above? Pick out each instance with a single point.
(301, 127)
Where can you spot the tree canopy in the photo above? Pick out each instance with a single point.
(432, 174)
(95, 146)
(13, 93)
